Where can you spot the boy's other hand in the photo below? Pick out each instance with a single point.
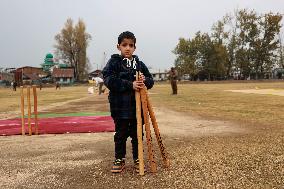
(137, 85)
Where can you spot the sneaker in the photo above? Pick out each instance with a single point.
(118, 166)
(136, 165)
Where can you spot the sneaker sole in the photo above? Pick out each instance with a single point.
(118, 171)
(137, 170)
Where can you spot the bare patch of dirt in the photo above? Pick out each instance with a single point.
(94, 103)
(278, 92)
(182, 125)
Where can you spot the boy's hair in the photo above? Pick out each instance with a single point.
(126, 35)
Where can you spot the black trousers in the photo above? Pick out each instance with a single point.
(123, 129)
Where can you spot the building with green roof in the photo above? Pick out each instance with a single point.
(48, 63)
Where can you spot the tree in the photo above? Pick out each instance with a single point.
(247, 33)
(230, 42)
(267, 43)
(258, 40)
(185, 61)
(71, 45)
(223, 45)
(201, 56)
(245, 43)
(281, 52)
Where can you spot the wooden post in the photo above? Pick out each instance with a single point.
(29, 109)
(35, 109)
(157, 133)
(151, 157)
(23, 110)
(139, 130)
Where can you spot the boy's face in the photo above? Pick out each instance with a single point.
(126, 47)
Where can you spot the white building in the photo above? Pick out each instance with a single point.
(159, 75)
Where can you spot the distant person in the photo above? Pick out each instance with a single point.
(57, 85)
(119, 77)
(14, 86)
(173, 76)
(40, 85)
(99, 82)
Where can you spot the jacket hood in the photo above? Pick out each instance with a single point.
(119, 57)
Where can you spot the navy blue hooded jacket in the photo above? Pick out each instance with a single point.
(119, 75)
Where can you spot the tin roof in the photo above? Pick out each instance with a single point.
(59, 72)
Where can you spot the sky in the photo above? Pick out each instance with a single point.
(28, 27)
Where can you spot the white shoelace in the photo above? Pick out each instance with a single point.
(128, 64)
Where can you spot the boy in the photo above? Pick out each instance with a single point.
(119, 77)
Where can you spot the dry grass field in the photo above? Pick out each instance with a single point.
(214, 101)
(215, 139)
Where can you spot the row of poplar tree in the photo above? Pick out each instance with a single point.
(243, 44)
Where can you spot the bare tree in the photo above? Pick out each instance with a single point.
(71, 45)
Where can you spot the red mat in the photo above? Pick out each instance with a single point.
(58, 125)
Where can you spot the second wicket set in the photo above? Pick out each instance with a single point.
(29, 106)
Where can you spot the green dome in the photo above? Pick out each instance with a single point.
(49, 55)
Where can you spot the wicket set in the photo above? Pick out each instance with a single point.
(30, 129)
(142, 100)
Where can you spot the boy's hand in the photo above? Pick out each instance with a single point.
(141, 77)
(137, 85)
